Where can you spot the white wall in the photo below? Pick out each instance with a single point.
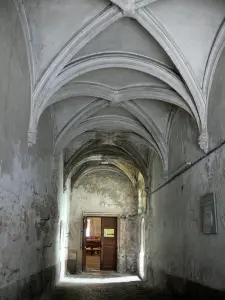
(27, 187)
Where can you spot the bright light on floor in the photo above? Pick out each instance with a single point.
(100, 280)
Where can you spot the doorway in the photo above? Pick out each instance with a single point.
(99, 243)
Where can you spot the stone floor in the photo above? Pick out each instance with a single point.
(120, 291)
(104, 291)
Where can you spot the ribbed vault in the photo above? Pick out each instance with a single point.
(123, 54)
(112, 108)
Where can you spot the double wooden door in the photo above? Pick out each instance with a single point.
(108, 253)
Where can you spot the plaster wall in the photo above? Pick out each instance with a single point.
(117, 78)
(27, 184)
(158, 110)
(183, 145)
(216, 106)
(104, 191)
(65, 110)
(115, 111)
(128, 36)
(54, 23)
(176, 247)
(206, 18)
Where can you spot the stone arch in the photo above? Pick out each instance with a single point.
(149, 21)
(107, 60)
(27, 38)
(107, 121)
(89, 152)
(116, 96)
(90, 168)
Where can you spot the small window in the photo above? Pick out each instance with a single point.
(142, 250)
(88, 230)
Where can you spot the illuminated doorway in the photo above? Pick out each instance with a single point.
(100, 244)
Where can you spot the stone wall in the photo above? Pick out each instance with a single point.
(176, 247)
(28, 207)
(104, 191)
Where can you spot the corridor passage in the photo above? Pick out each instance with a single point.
(111, 291)
(112, 149)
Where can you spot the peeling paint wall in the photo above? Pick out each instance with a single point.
(28, 207)
(104, 191)
(176, 246)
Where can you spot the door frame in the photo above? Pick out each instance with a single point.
(103, 215)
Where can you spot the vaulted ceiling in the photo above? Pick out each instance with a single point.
(114, 72)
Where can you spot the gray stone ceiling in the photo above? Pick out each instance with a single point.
(114, 73)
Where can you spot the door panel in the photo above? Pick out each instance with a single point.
(109, 244)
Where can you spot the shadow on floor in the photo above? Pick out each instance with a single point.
(104, 286)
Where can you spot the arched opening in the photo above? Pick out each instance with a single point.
(107, 193)
(142, 250)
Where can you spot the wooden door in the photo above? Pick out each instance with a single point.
(109, 244)
(84, 243)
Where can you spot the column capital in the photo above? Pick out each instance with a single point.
(203, 140)
(32, 137)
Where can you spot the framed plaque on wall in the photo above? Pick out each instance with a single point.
(208, 214)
